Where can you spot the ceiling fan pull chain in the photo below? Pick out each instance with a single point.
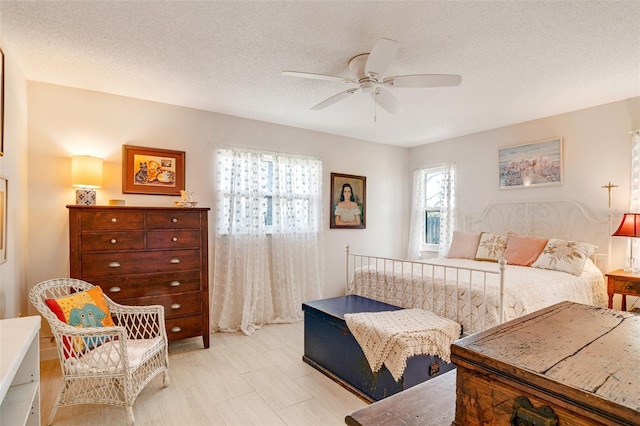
(375, 108)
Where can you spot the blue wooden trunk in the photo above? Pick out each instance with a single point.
(330, 347)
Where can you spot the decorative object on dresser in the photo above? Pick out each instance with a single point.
(624, 283)
(629, 227)
(20, 371)
(110, 363)
(147, 256)
(152, 171)
(86, 175)
(567, 364)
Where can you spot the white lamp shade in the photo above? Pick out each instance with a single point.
(86, 171)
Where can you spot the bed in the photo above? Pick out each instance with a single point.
(481, 294)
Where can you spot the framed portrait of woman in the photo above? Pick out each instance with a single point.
(348, 201)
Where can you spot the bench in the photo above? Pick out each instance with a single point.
(330, 347)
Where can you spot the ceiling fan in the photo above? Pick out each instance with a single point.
(369, 69)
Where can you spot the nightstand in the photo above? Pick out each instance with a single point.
(624, 283)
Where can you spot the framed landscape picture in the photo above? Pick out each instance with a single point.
(348, 201)
(531, 165)
(152, 171)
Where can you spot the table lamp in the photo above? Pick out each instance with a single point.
(86, 175)
(629, 227)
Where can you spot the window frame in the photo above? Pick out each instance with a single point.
(435, 170)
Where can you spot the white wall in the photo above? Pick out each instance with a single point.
(596, 150)
(65, 121)
(13, 166)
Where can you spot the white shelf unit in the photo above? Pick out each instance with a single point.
(20, 371)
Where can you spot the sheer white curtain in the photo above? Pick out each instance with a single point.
(417, 229)
(635, 190)
(448, 208)
(268, 253)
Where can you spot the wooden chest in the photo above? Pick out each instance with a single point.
(146, 256)
(330, 347)
(569, 364)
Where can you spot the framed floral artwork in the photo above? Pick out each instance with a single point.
(152, 171)
(348, 201)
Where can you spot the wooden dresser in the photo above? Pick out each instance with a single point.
(146, 256)
(569, 364)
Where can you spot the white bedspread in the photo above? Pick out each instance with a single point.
(463, 299)
(392, 337)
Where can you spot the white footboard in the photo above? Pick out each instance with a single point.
(473, 297)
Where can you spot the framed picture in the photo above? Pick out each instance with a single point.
(531, 165)
(348, 201)
(1, 103)
(152, 171)
(3, 219)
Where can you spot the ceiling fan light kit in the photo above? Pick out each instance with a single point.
(369, 69)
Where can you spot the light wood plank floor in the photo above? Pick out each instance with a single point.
(240, 380)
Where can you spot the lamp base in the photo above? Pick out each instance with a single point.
(631, 266)
(85, 197)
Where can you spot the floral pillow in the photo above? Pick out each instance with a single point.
(83, 309)
(463, 245)
(491, 247)
(565, 256)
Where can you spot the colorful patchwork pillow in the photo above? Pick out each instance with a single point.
(491, 247)
(565, 256)
(83, 309)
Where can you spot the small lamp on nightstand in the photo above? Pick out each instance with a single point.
(86, 175)
(629, 227)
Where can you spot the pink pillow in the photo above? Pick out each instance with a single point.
(463, 245)
(523, 250)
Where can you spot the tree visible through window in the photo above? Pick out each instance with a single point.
(432, 204)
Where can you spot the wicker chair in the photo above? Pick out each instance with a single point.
(115, 370)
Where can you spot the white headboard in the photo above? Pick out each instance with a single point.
(564, 219)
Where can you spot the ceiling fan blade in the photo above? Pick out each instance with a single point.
(314, 76)
(386, 100)
(381, 56)
(335, 98)
(423, 80)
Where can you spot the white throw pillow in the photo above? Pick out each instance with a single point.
(565, 256)
(491, 247)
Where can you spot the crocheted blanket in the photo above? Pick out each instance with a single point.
(391, 337)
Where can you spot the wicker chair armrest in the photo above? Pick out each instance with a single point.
(141, 322)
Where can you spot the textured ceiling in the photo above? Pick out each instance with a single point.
(519, 60)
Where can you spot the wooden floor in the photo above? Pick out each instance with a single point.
(240, 380)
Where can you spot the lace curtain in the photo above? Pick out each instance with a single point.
(417, 228)
(635, 190)
(268, 250)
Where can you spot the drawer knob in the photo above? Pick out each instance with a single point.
(175, 329)
(174, 260)
(176, 306)
(114, 220)
(174, 283)
(174, 220)
(115, 289)
(629, 287)
(174, 239)
(113, 241)
(114, 265)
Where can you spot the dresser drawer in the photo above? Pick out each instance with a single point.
(178, 219)
(121, 263)
(175, 305)
(170, 239)
(623, 286)
(136, 286)
(182, 328)
(111, 220)
(112, 241)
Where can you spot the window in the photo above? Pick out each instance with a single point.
(267, 192)
(433, 197)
